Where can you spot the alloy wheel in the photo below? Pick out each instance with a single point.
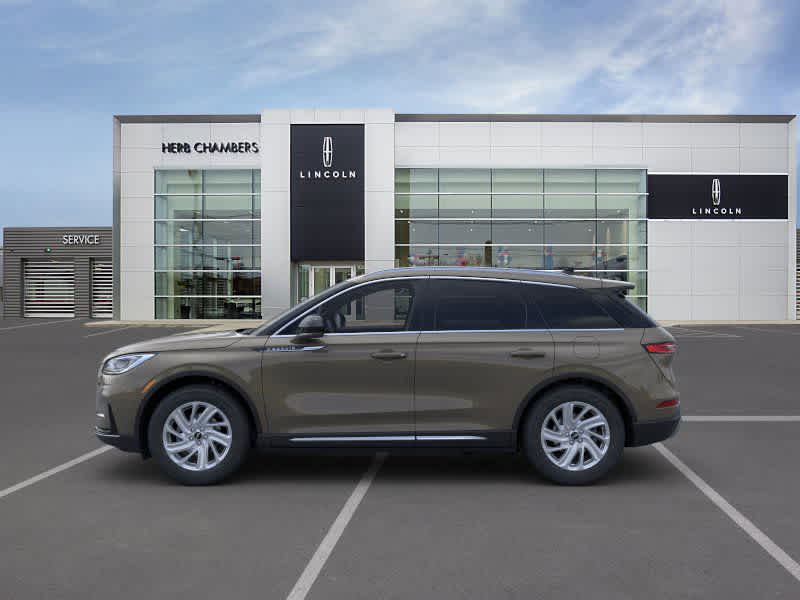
(197, 436)
(575, 436)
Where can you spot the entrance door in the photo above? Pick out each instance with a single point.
(354, 384)
(313, 279)
(49, 289)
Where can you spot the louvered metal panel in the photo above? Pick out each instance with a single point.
(102, 290)
(49, 289)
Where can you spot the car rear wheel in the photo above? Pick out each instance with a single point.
(573, 435)
(199, 435)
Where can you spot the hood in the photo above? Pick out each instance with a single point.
(182, 341)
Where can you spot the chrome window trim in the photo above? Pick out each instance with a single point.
(448, 438)
(403, 278)
(516, 330)
(287, 335)
(356, 438)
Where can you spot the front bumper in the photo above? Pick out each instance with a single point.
(651, 432)
(123, 442)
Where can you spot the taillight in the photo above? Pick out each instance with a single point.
(662, 348)
(668, 403)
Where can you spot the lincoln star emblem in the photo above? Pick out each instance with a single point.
(716, 192)
(327, 152)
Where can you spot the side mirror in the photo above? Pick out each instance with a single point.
(310, 328)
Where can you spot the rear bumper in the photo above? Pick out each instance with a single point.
(651, 432)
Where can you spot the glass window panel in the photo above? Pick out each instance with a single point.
(231, 232)
(171, 258)
(465, 256)
(415, 181)
(572, 181)
(622, 258)
(178, 207)
(569, 207)
(640, 302)
(230, 258)
(621, 181)
(523, 257)
(460, 206)
(569, 232)
(416, 232)
(257, 181)
(464, 232)
(621, 232)
(179, 308)
(228, 181)
(416, 256)
(322, 278)
(178, 232)
(414, 205)
(565, 308)
(179, 181)
(231, 308)
(236, 283)
(517, 232)
(517, 181)
(228, 207)
(179, 283)
(622, 207)
(465, 181)
(257, 206)
(575, 257)
(528, 207)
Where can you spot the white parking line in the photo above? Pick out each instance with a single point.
(314, 566)
(53, 471)
(742, 418)
(36, 324)
(758, 536)
(685, 332)
(109, 331)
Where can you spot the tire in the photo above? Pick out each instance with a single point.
(227, 418)
(587, 463)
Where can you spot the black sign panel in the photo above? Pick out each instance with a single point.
(718, 196)
(327, 192)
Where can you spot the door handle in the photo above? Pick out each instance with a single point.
(527, 353)
(388, 355)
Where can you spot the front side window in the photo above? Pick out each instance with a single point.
(377, 308)
(476, 305)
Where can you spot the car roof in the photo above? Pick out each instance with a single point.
(553, 277)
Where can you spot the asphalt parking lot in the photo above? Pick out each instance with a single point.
(111, 525)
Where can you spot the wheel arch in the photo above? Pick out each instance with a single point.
(612, 391)
(179, 380)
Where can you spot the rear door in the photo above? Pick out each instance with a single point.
(481, 352)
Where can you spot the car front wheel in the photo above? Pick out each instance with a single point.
(199, 435)
(574, 435)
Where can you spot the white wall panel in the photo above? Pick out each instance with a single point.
(379, 230)
(621, 156)
(141, 159)
(764, 233)
(274, 157)
(763, 307)
(464, 134)
(710, 135)
(718, 307)
(236, 132)
(563, 157)
(137, 295)
(141, 135)
(618, 134)
(416, 134)
(670, 160)
(186, 132)
(137, 233)
(379, 115)
(136, 258)
(715, 233)
(136, 208)
(669, 233)
(715, 270)
(379, 157)
(670, 269)
(416, 156)
(137, 183)
(666, 135)
(715, 160)
(670, 307)
(764, 160)
(764, 135)
(516, 134)
(566, 134)
(516, 157)
(464, 157)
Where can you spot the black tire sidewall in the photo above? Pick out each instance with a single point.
(240, 430)
(531, 432)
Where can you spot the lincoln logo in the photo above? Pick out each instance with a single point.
(327, 152)
(716, 192)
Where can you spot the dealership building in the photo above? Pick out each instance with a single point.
(241, 216)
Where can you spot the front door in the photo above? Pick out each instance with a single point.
(354, 384)
(313, 278)
(482, 352)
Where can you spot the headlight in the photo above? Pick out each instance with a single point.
(124, 363)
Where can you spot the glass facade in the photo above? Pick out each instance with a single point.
(591, 220)
(207, 233)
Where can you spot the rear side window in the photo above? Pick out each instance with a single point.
(626, 313)
(568, 308)
(460, 305)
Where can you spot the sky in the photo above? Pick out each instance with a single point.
(66, 67)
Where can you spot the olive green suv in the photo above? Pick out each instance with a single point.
(561, 368)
